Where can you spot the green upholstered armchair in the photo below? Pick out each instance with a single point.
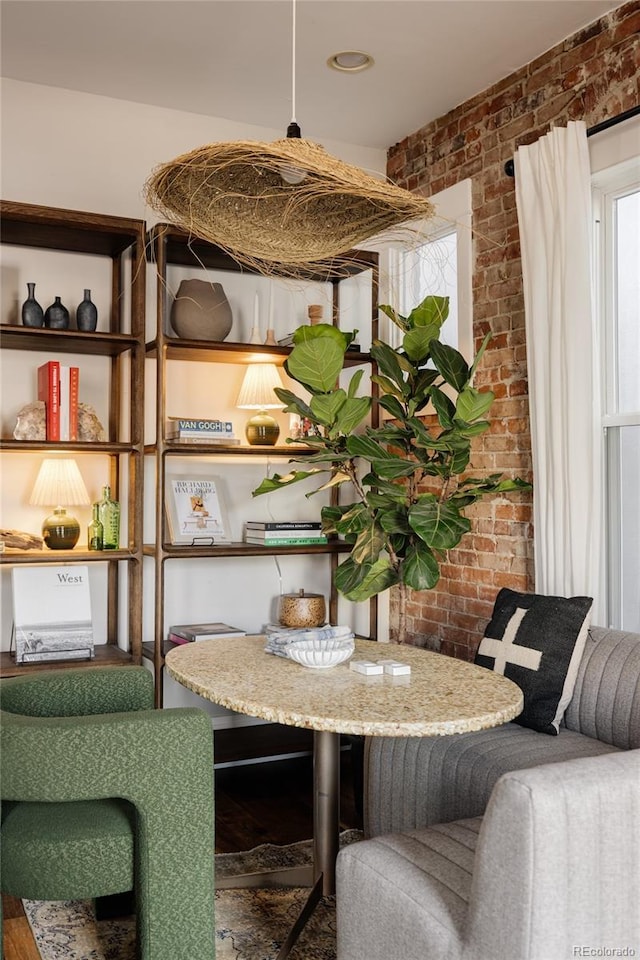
(102, 794)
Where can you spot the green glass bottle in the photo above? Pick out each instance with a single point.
(96, 530)
(109, 514)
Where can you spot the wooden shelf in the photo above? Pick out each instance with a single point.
(78, 446)
(15, 337)
(223, 351)
(106, 655)
(172, 552)
(242, 450)
(13, 556)
(74, 231)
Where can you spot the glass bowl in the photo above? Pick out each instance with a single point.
(320, 654)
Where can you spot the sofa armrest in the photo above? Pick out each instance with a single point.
(557, 842)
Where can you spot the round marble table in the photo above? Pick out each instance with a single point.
(441, 696)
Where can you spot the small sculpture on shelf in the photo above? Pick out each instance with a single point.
(31, 423)
(87, 314)
(56, 316)
(32, 312)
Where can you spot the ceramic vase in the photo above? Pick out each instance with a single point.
(56, 316)
(87, 314)
(32, 312)
(201, 311)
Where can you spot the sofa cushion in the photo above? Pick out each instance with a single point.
(414, 782)
(537, 642)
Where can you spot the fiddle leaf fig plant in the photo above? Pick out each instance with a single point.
(408, 487)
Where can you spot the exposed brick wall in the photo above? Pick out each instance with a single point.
(592, 75)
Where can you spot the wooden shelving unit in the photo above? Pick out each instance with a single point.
(122, 241)
(167, 246)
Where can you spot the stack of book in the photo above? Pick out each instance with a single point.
(183, 430)
(289, 533)
(192, 632)
(58, 388)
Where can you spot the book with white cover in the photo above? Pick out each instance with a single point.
(195, 511)
(52, 613)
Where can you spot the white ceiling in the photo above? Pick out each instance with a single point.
(232, 58)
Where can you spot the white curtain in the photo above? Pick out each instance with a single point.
(553, 195)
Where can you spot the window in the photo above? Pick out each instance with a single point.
(438, 263)
(617, 255)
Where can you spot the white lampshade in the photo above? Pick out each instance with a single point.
(59, 483)
(256, 392)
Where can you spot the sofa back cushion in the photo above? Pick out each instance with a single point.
(606, 698)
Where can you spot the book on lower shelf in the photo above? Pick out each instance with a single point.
(192, 632)
(52, 613)
(277, 526)
(286, 541)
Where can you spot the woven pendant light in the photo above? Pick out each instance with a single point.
(280, 207)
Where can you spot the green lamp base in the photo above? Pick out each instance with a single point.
(60, 531)
(262, 430)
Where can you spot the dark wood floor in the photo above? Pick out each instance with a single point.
(258, 803)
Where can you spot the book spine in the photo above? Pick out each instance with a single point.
(199, 435)
(276, 525)
(286, 541)
(200, 426)
(214, 441)
(49, 393)
(285, 534)
(64, 402)
(177, 638)
(74, 394)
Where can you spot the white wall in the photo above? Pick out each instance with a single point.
(67, 149)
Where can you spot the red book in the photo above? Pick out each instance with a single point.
(49, 392)
(74, 390)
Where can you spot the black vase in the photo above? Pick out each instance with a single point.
(87, 314)
(32, 313)
(56, 316)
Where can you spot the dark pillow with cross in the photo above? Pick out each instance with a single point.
(537, 642)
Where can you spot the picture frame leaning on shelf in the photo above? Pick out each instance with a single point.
(195, 509)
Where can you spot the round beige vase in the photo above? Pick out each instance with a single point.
(201, 311)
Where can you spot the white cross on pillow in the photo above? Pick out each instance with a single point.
(507, 651)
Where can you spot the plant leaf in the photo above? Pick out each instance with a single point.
(316, 363)
(311, 332)
(278, 481)
(392, 406)
(354, 383)
(368, 448)
(432, 310)
(473, 404)
(478, 356)
(352, 413)
(325, 406)
(444, 407)
(420, 569)
(292, 403)
(397, 318)
(451, 364)
(416, 342)
(440, 525)
(361, 582)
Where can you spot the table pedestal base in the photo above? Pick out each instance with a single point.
(326, 827)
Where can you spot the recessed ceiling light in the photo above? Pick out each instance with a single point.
(350, 61)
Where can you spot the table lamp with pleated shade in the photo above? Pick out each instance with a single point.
(59, 483)
(257, 393)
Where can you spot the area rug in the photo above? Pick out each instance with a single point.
(250, 924)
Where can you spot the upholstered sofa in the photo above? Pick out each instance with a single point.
(414, 782)
(508, 843)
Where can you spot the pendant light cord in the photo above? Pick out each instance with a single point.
(293, 130)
